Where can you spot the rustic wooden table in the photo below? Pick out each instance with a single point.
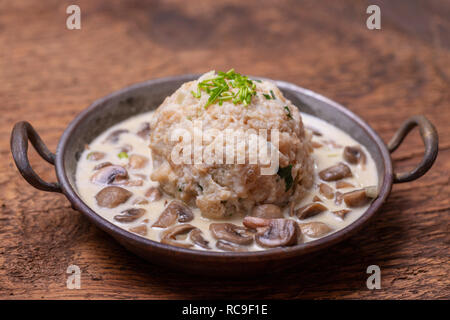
(49, 74)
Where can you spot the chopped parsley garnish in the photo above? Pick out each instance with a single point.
(123, 155)
(273, 95)
(288, 112)
(268, 97)
(286, 174)
(227, 86)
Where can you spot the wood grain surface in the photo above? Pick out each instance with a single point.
(49, 74)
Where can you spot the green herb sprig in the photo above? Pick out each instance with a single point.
(221, 87)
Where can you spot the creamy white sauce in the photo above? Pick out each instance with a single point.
(324, 157)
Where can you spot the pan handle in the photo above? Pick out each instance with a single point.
(430, 141)
(21, 133)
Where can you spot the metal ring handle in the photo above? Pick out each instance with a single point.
(430, 140)
(21, 133)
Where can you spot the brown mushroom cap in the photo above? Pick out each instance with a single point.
(315, 229)
(310, 210)
(95, 155)
(280, 232)
(130, 215)
(341, 213)
(108, 174)
(111, 197)
(267, 211)
(326, 191)
(153, 194)
(136, 161)
(169, 236)
(197, 238)
(354, 155)
(231, 233)
(144, 130)
(176, 209)
(102, 165)
(113, 137)
(141, 229)
(358, 198)
(255, 222)
(336, 172)
(227, 246)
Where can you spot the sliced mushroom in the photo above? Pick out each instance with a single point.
(137, 161)
(315, 229)
(326, 191)
(197, 238)
(317, 199)
(310, 210)
(127, 148)
(343, 184)
(111, 197)
(227, 246)
(280, 232)
(354, 155)
(108, 174)
(140, 201)
(153, 194)
(114, 136)
(144, 130)
(169, 236)
(338, 199)
(336, 172)
(176, 209)
(268, 211)
(95, 155)
(102, 165)
(358, 198)
(130, 183)
(231, 233)
(255, 222)
(130, 215)
(314, 131)
(141, 230)
(341, 213)
(316, 145)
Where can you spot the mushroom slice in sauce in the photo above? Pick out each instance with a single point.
(144, 130)
(354, 155)
(153, 194)
(95, 155)
(317, 199)
(341, 213)
(338, 199)
(102, 165)
(130, 215)
(310, 210)
(111, 197)
(315, 229)
(343, 184)
(137, 161)
(108, 174)
(336, 172)
(175, 210)
(227, 246)
(358, 198)
(114, 136)
(255, 222)
(141, 230)
(280, 232)
(169, 236)
(231, 233)
(326, 191)
(268, 211)
(197, 238)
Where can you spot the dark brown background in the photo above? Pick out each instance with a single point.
(49, 74)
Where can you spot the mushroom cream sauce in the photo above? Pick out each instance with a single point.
(328, 142)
